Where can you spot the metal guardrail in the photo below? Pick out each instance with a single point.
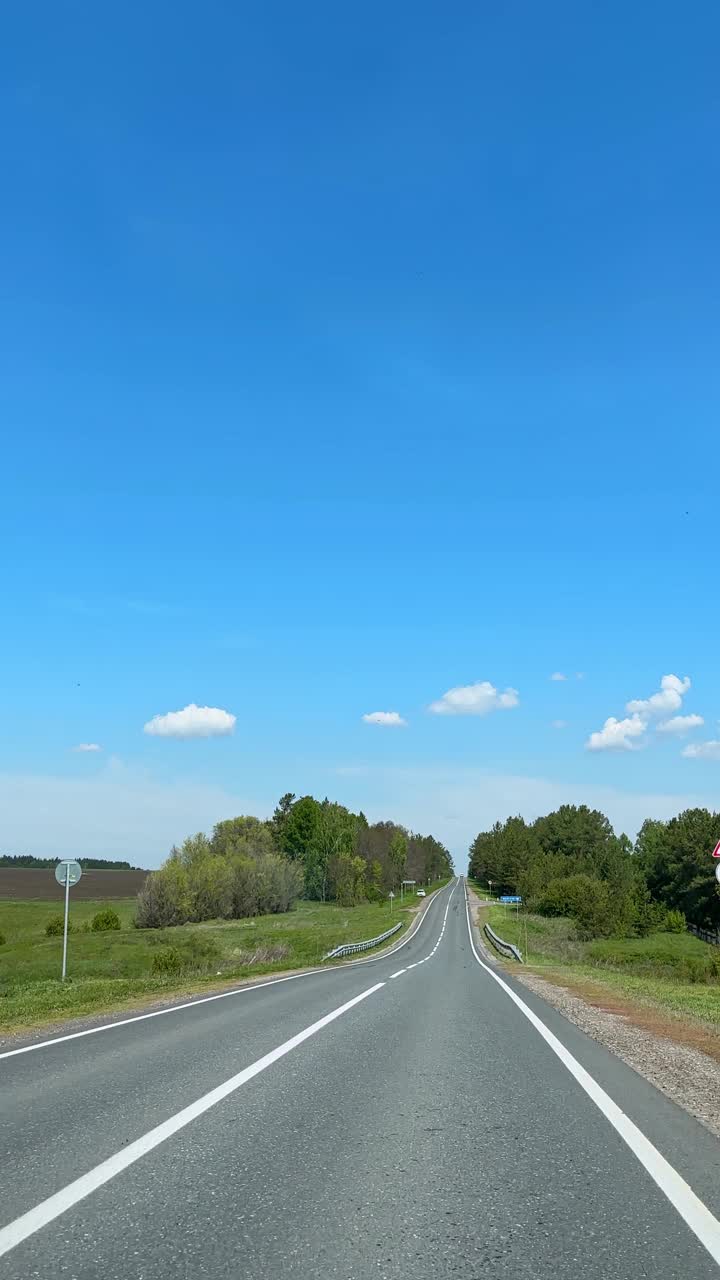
(349, 948)
(505, 948)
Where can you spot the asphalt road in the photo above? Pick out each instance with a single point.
(427, 1127)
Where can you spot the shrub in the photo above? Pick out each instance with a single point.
(195, 952)
(165, 898)
(585, 900)
(105, 920)
(55, 927)
(675, 922)
(2, 939)
(167, 960)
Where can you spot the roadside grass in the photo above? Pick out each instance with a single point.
(109, 970)
(675, 971)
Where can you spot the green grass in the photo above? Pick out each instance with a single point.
(673, 970)
(108, 970)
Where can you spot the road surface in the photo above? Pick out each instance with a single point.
(417, 1115)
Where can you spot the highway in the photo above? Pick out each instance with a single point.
(419, 1114)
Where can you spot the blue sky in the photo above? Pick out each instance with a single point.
(349, 357)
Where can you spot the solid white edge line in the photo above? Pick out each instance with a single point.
(224, 995)
(694, 1213)
(45, 1212)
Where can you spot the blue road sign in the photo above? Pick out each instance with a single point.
(510, 897)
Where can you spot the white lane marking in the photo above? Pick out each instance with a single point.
(224, 995)
(681, 1196)
(28, 1223)
(430, 955)
(397, 975)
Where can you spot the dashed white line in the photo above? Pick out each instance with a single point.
(397, 975)
(223, 995)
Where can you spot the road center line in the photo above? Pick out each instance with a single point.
(698, 1217)
(26, 1225)
(225, 995)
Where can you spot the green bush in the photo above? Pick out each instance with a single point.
(105, 920)
(167, 961)
(585, 900)
(55, 927)
(194, 952)
(675, 922)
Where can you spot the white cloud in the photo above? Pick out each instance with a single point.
(384, 717)
(617, 735)
(559, 724)
(87, 746)
(558, 675)
(680, 724)
(669, 699)
(702, 750)
(191, 722)
(474, 700)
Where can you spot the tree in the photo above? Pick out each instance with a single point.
(281, 815)
(398, 855)
(245, 836)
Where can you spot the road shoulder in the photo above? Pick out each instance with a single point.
(679, 1059)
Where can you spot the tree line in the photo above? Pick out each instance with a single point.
(43, 864)
(571, 862)
(312, 848)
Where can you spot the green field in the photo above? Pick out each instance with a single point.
(108, 970)
(673, 970)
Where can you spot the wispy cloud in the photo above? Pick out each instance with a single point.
(88, 746)
(191, 722)
(389, 718)
(474, 700)
(702, 750)
(680, 725)
(558, 675)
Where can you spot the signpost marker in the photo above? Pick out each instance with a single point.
(716, 850)
(391, 895)
(67, 872)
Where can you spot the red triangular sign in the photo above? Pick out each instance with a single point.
(716, 850)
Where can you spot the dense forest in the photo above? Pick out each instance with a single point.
(571, 863)
(90, 864)
(312, 848)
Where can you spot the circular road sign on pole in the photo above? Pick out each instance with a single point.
(67, 873)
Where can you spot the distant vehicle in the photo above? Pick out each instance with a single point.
(421, 893)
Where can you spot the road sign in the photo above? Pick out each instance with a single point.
(68, 869)
(510, 897)
(717, 873)
(391, 894)
(716, 850)
(67, 873)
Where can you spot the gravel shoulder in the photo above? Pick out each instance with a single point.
(680, 1058)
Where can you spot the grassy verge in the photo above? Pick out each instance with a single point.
(111, 970)
(673, 971)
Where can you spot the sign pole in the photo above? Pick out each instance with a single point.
(67, 908)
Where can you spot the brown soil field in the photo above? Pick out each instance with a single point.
(24, 883)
